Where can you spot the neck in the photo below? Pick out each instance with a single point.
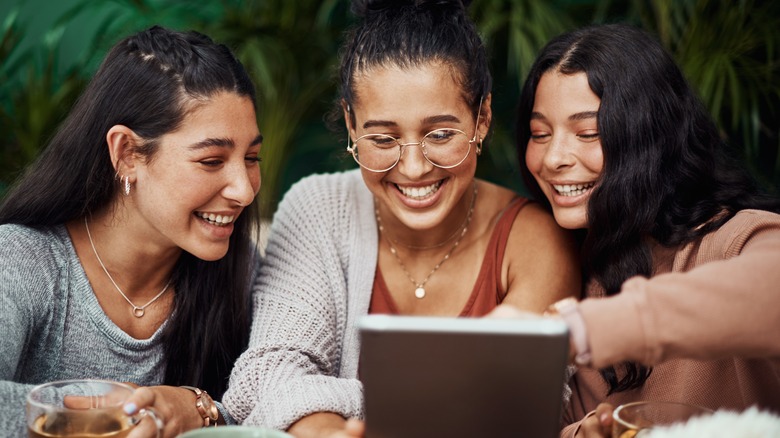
(139, 266)
(437, 238)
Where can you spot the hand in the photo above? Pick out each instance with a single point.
(353, 428)
(598, 425)
(328, 425)
(173, 406)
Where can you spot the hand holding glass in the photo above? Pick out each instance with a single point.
(79, 409)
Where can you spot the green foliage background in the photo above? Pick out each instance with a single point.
(49, 50)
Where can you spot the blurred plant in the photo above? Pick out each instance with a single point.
(29, 112)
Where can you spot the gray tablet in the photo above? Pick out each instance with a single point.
(462, 377)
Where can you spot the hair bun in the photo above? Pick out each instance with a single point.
(369, 8)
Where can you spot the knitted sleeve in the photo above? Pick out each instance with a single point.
(291, 368)
(25, 275)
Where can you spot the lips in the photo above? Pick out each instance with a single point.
(215, 219)
(573, 189)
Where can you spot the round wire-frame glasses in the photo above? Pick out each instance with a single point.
(383, 143)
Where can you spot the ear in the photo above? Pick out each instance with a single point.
(348, 117)
(485, 116)
(121, 143)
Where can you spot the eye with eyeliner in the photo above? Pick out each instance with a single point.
(589, 136)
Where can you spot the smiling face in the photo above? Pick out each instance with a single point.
(407, 104)
(564, 152)
(200, 179)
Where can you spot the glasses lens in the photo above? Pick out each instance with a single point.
(377, 151)
(446, 147)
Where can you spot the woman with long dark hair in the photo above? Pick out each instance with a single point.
(681, 249)
(126, 248)
(411, 232)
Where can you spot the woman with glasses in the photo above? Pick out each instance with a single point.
(410, 232)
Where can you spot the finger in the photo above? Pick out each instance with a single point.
(141, 398)
(94, 401)
(590, 428)
(604, 414)
(77, 401)
(152, 425)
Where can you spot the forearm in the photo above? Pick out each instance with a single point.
(718, 309)
(317, 425)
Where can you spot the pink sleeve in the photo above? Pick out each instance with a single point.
(726, 307)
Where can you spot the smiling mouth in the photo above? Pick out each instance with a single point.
(572, 189)
(419, 193)
(215, 219)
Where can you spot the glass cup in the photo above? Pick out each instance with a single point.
(79, 409)
(235, 432)
(631, 419)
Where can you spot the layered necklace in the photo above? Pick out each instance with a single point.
(419, 290)
(138, 311)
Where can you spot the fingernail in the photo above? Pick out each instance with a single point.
(603, 418)
(130, 408)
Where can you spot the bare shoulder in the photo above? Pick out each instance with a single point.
(541, 260)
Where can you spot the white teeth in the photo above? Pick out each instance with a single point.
(420, 192)
(213, 219)
(572, 189)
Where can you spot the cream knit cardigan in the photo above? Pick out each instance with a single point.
(314, 284)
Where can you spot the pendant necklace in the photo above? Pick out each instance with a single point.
(138, 311)
(419, 290)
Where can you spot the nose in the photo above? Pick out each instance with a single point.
(242, 185)
(558, 155)
(413, 163)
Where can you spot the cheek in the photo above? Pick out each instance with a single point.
(533, 157)
(256, 179)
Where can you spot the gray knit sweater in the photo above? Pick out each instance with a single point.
(53, 327)
(314, 284)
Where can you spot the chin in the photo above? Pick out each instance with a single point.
(571, 220)
(210, 254)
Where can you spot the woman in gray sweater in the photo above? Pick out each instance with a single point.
(126, 247)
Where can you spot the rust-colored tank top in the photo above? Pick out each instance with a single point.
(487, 292)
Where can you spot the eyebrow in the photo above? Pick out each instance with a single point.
(432, 120)
(223, 142)
(584, 115)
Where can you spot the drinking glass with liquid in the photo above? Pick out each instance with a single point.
(79, 409)
(634, 420)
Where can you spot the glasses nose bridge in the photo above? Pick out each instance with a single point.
(402, 146)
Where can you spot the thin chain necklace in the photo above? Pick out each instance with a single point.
(138, 311)
(436, 245)
(419, 290)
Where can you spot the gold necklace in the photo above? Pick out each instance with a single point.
(138, 311)
(419, 290)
